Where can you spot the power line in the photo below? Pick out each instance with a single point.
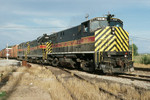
(141, 38)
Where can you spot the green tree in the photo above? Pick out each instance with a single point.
(135, 49)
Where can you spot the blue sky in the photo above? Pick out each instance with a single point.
(22, 20)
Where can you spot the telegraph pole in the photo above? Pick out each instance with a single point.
(7, 51)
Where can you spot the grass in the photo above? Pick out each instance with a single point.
(43, 79)
(145, 59)
(83, 90)
(141, 65)
(137, 59)
(125, 91)
(5, 71)
(142, 61)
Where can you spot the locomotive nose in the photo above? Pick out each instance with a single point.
(111, 43)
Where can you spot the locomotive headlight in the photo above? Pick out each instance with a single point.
(113, 28)
(113, 32)
(46, 37)
(125, 55)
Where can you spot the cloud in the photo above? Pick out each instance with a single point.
(20, 33)
(23, 20)
(50, 22)
(45, 13)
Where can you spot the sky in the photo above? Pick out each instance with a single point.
(25, 20)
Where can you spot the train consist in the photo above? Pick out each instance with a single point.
(97, 44)
(12, 51)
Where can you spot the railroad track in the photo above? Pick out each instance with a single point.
(142, 69)
(84, 79)
(138, 77)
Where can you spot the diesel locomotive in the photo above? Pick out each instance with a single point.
(100, 43)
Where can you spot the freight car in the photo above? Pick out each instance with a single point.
(12, 51)
(97, 44)
(1, 53)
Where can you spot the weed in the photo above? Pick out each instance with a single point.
(145, 59)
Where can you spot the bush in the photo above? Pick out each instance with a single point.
(145, 59)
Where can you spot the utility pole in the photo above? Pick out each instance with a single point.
(7, 51)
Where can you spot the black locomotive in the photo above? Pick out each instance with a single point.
(97, 44)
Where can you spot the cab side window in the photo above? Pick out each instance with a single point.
(86, 27)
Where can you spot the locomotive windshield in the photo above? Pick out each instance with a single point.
(94, 25)
(115, 23)
(102, 22)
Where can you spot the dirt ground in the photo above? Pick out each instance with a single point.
(39, 83)
(21, 83)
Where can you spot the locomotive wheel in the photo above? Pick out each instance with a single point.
(55, 62)
(87, 66)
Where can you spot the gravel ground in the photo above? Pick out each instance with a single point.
(141, 73)
(80, 89)
(23, 92)
(141, 84)
(125, 88)
(9, 62)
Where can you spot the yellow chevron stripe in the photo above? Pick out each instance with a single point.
(114, 48)
(97, 32)
(119, 41)
(127, 33)
(101, 33)
(126, 40)
(102, 38)
(121, 46)
(48, 47)
(118, 46)
(103, 41)
(123, 39)
(50, 44)
(122, 43)
(123, 33)
(110, 45)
